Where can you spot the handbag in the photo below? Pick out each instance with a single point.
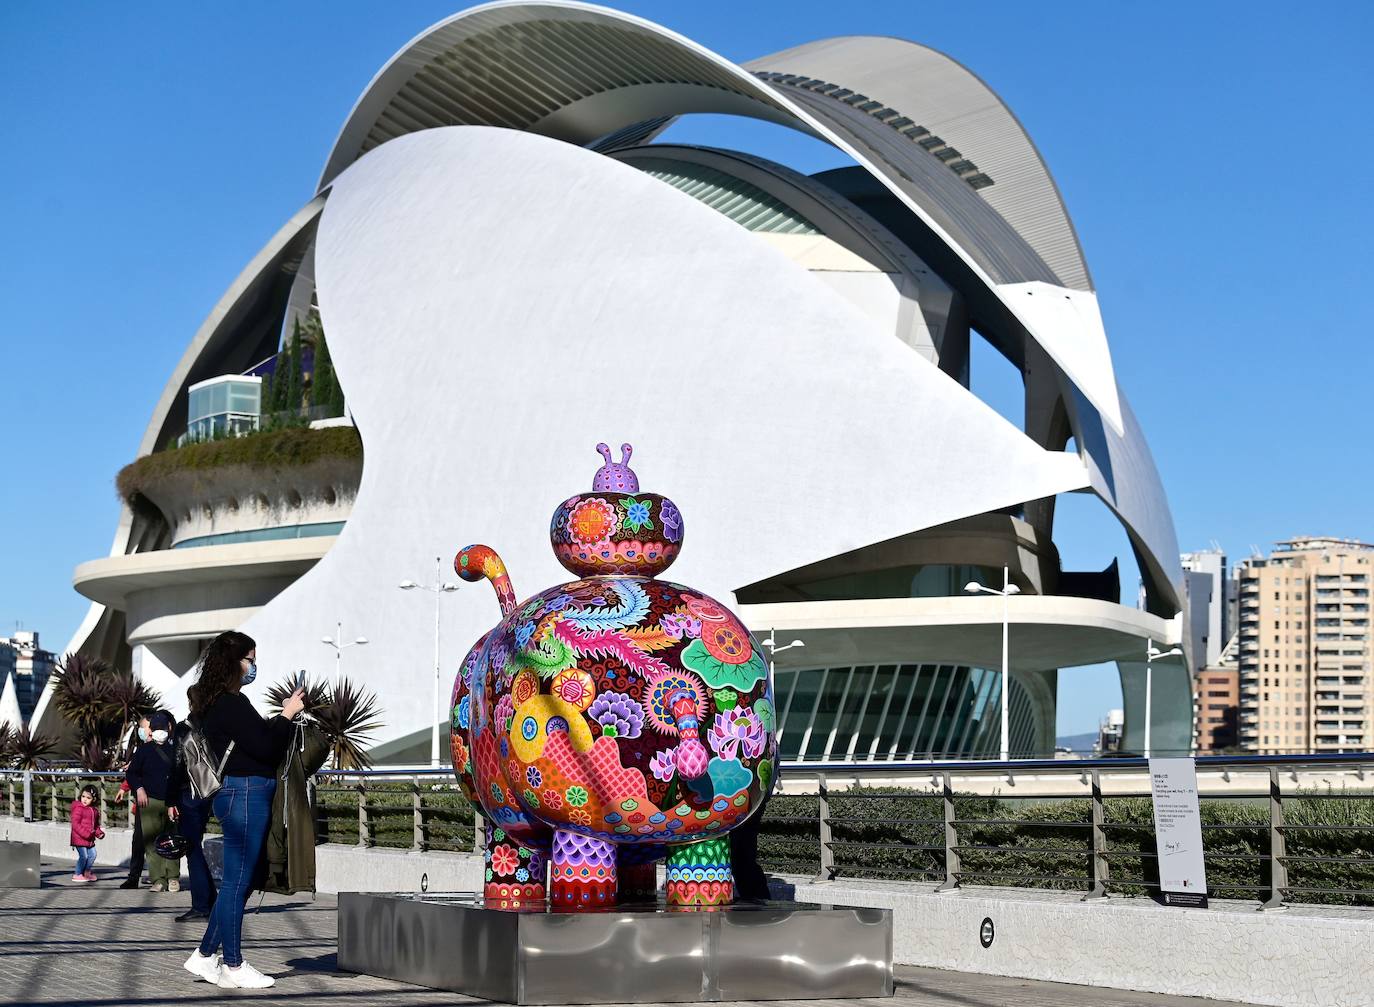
(204, 774)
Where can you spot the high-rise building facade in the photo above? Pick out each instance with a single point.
(30, 665)
(1204, 588)
(1216, 701)
(1306, 676)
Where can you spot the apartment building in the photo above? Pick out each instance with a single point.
(1304, 647)
(28, 664)
(1216, 702)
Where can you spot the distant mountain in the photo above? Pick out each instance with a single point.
(1077, 742)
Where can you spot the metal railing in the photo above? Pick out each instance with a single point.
(1276, 829)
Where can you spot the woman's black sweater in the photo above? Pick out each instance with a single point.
(259, 745)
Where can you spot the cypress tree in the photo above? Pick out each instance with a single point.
(323, 381)
(295, 392)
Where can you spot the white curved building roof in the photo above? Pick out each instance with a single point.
(742, 364)
(582, 73)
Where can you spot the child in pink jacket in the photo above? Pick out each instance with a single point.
(85, 831)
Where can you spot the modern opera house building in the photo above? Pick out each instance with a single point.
(509, 269)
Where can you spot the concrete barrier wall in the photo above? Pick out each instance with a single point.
(54, 838)
(1303, 956)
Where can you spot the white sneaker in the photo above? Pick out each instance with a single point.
(174, 885)
(203, 966)
(245, 977)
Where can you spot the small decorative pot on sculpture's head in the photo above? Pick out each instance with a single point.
(612, 721)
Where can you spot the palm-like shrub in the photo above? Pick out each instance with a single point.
(81, 692)
(6, 743)
(101, 703)
(31, 750)
(344, 712)
(127, 702)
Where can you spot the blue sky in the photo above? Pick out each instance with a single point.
(1216, 160)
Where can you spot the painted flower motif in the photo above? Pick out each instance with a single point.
(490, 875)
(579, 817)
(533, 777)
(677, 626)
(464, 711)
(725, 699)
(558, 603)
(522, 875)
(658, 704)
(531, 798)
(575, 687)
(525, 686)
(577, 796)
(727, 641)
(552, 799)
(737, 732)
(459, 749)
(637, 514)
(592, 521)
(523, 634)
(496, 792)
(672, 521)
(504, 859)
(618, 715)
(724, 674)
(504, 712)
(663, 765)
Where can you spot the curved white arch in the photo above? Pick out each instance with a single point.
(627, 70)
(951, 100)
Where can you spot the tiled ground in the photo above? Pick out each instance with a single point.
(96, 945)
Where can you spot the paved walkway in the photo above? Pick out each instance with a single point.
(97, 945)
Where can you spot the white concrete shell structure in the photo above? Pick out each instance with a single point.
(510, 270)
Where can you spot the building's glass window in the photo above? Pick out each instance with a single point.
(226, 405)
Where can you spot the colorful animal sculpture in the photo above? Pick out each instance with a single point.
(614, 720)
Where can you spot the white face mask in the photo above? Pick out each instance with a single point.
(160, 737)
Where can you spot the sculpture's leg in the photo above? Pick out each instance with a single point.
(515, 873)
(583, 871)
(699, 873)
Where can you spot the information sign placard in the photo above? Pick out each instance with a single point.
(1178, 832)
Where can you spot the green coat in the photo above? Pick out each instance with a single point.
(290, 847)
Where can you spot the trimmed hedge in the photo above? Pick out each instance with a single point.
(1040, 843)
(898, 834)
(291, 447)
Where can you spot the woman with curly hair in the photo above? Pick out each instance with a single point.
(253, 747)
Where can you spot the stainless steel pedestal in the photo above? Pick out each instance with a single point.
(19, 865)
(627, 954)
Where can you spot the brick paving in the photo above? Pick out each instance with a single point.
(96, 945)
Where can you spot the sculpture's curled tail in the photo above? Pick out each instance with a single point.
(480, 562)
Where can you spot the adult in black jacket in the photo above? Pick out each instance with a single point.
(254, 747)
(151, 779)
(142, 735)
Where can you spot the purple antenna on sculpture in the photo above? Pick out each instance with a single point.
(612, 477)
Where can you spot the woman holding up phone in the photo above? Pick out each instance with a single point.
(255, 746)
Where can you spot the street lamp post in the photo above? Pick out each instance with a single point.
(438, 589)
(1151, 655)
(336, 641)
(773, 650)
(1008, 589)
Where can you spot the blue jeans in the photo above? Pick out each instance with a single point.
(193, 816)
(243, 807)
(85, 859)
